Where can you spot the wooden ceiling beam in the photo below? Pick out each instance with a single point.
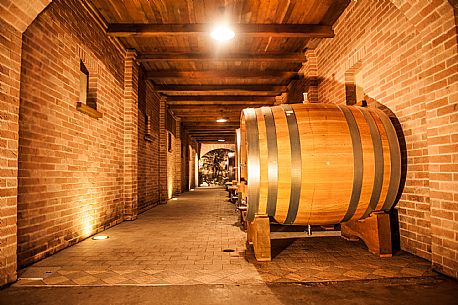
(228, 133)
(226, 98)
(253, 30)
(213, 115)
(212, 74)
(206, 126)
(184, 57)
(215, 137)
(247, 104)
(214, 125)
(210, 121)
(264, 90)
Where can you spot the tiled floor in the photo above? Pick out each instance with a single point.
(182, 243)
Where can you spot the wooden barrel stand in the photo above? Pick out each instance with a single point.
(258, 235)
(374, 231)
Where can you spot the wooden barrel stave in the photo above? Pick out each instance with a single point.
(330, 130)
(326, 137)
(284, 164)
(264, 182)
(367, 184)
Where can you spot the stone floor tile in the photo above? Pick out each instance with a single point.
(182, 243)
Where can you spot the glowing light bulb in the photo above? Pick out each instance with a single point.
(222, 33)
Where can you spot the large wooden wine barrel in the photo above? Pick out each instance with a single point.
(318, 163)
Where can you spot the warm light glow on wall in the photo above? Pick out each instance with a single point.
(196, 170)
(170, 187)
(221, 120)
(87, 221)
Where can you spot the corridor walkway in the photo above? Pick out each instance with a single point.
(185, 243)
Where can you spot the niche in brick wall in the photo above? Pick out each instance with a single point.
(89, 71)
(148, 135)
(354, 90)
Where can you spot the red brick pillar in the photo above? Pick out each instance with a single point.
(178, 159)
(310, 70)
(15, 18)
(163, 149)
(11, 45)
(281, 99)
(131, 71)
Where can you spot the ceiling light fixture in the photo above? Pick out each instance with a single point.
(221, 120)
(222, 33)
(221, 140)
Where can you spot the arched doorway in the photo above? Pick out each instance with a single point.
(216, 167)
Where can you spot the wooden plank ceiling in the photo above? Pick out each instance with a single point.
(204, 79)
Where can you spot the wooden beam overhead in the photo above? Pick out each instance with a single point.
(211, 126)
(216, 103)
(214, 124)
(261, 90)
(253, 30)
(232, 116)
(212, 74)
(212, 132)
(226, 98)
(214, 137)
(210, 120)
(184, 57)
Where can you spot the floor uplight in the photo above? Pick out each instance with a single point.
(100, 237)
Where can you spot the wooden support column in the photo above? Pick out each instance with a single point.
(258, 234)
(163, 150)
(374, 231)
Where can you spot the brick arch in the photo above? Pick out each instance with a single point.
(21, 13)
(205, 148)
(420, 12)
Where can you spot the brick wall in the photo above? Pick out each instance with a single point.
(148, 147)
(406, 51)
(70, 165)
(21, 13)
(10, 59)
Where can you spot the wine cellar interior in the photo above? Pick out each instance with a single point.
(228, 152)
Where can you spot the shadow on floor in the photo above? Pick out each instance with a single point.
(279, 245)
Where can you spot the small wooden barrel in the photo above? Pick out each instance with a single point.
(318, 163)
